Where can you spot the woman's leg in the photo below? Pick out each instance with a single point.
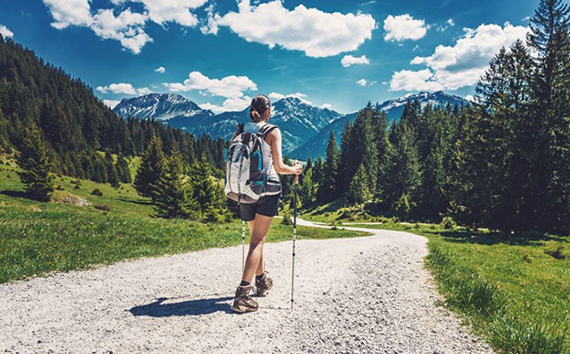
(259, 270)
(261, 225)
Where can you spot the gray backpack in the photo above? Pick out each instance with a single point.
(246, 178)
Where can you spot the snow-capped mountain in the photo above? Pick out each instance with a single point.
(316, 146)
(172, 109)
(297, 120)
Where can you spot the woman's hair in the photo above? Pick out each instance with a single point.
(259, 105)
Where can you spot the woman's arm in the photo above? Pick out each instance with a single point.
(274, 140)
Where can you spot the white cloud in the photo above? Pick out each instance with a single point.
(414, 81)
(230, 104)
(123, 88)
(452, 67)
(111, 103)
(317, 33)
(5, 32)
(527, 18)
(349, 60)
(69, 13)
(326, 106)
(404, 27)
(276, 96)
(448, 23)
(128, 26)
(362, 82)
(229, 86)
(160, 70)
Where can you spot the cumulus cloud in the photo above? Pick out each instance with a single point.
(326, 106)
(5, 32)
(349, 60)
(400, 28)
(160, 70)
(229, 86)
(128, 26)
(448, 23)
(316, 33)
(414, 81)
(123, 88)
(230, 104)
(67, 13)
(111, 103)
(452, 67)
(362, 82)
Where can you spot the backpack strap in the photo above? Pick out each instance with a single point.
(239, 128)
(263, 131)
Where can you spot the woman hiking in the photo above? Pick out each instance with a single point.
(259, 215)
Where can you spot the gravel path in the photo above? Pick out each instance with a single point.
(367, 295)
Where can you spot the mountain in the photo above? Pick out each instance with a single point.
(175, 110)
(316, 146)
(297, 120)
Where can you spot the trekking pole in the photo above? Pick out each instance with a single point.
(295, 190)
(242, 245)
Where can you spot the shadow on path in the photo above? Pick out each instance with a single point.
(185, 308)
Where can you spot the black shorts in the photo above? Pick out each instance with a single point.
(267, 206)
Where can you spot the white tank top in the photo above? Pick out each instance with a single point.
(253, 128)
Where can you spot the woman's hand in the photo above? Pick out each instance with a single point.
(297, 168)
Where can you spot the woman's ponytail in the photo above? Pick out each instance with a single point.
(259, 105)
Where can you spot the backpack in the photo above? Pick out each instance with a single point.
(246, 178)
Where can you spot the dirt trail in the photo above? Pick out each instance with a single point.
(367, 295)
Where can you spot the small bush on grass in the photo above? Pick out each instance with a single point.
(97, 192)
(557, 252)
(102, 207)
(448, 223)
(286, 219)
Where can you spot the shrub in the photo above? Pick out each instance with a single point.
(286, 219)
(103, 207)
(557, 253)
(448, 223)
(214, 216)
(527, 258)
(97, 192)
(59, 187)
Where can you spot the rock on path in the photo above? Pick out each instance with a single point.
(358, 295)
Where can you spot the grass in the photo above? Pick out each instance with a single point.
(38, 238)
(514, 291)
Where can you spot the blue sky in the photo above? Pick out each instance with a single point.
(220, 53)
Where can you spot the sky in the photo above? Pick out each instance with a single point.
(220, 53)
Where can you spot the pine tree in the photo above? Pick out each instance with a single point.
(36, 167)
(172, 193)
(112, 175)
(204, 189)
(360, 186)
(345, 170)
(122, 167)
(328, 189)
(403, 165)
(151, 168)
(307, 186)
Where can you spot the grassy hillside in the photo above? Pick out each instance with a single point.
(37, 238)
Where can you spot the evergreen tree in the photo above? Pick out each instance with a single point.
(307, 186)
(36, 167)
(204, 189)
(359, 190)
(328, 189)
(112, 175)
(122, 167)
(345, 169)
(151, 168)
(172, 192)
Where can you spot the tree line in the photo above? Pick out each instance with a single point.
(75, 125)
(502, 162)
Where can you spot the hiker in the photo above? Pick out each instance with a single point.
(260, 213)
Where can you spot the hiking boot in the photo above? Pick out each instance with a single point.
(243, 302)
(263, 285)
